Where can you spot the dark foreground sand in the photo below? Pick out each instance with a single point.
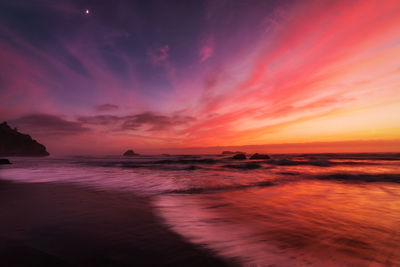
(47, 224)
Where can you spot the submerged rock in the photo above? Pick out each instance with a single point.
(260, 156)
(14, 143)
(240, 156)
(4, 161)
(130, 152)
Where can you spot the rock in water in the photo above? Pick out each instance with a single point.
(4, 161)
(240, 156)
(14, 143)
(130, 152)
(260, 156)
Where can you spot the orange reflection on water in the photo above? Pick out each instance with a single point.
(300, 223)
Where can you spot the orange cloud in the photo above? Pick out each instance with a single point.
(310, 71)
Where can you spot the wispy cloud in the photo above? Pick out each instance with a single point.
(242, 73)
(147, 121)
(207, 49)
(106, 107)
(45, 124)
(158, 54)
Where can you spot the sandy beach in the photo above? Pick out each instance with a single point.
(49, 224)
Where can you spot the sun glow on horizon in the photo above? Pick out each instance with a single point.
(286, 73)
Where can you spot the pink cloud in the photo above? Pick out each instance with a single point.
(158, 54)
(207, 50)
(318, 51)
(316, 60)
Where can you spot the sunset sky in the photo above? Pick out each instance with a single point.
(103, 76)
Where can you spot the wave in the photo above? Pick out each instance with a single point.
(352, 156)
(393, 178)
(289, 173)
(199, 190)
(164, 167)
(247, 165)
(140, 163)
(317, 163)
(244, 166)
(186, 161)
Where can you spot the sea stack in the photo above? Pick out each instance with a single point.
(129, 153)
(240, 156)
(260, 156)
(14, 143)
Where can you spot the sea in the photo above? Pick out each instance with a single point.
(289, 210)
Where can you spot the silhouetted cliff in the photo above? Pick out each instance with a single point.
(14, 143)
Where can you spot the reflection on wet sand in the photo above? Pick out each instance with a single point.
(289, 210)
(303, 223)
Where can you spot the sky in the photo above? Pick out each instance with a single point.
(100, 77)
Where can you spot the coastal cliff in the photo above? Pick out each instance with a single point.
(14, 143)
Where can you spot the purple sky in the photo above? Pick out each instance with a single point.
(170, 74)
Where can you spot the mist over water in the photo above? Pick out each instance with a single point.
(291, 210)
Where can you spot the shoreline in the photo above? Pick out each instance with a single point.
(51, 224)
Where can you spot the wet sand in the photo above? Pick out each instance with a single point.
(50, 224)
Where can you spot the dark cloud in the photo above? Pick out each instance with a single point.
(147, 120)
(155, 122)
(48, 125)
(106, 107)
(100, 119)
